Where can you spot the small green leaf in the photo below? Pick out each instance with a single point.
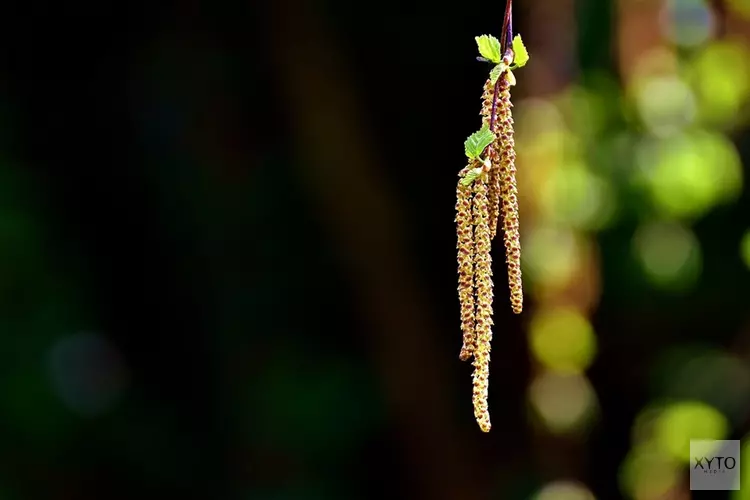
(471, 175)
(497, 71)
(489, 47)
(511, 78)
(521, 54)
(477, 141)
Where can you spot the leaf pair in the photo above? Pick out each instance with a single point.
(491, 51)
(489, 47)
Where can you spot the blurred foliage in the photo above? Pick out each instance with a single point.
(183, 314)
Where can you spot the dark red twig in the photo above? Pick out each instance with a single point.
(506, 36)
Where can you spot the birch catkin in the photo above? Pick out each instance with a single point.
(483, 285)
(465, 247)
(505, 144)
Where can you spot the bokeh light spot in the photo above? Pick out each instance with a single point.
(87, 373)
(745, 248)
(689, 174)
(665, 103)
(688, 23)
(573, 195)
(565, 403)
(562, 340)
(550, 255)
(720, 75)
(680, 422)
(647, 473)
(669, 254)
(564, 490)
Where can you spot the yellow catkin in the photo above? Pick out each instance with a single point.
(493, 195)
(483, 285)
(505, 144)
(465, 247)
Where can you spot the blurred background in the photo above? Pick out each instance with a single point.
(228, 265)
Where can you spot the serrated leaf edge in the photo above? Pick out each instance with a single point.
(494, 43)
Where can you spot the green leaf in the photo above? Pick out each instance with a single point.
(489, 47)
(471, 175)
(511, 78)
(496, 72)
(477, 141)
(521, 54)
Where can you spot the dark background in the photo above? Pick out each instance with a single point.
(227, 257)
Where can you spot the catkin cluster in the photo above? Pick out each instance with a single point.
(491, 199)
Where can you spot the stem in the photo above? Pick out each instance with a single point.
(506, 36)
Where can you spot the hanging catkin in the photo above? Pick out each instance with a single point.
(483, 285)
(465, 247)
(487, 197)
(505, 145)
